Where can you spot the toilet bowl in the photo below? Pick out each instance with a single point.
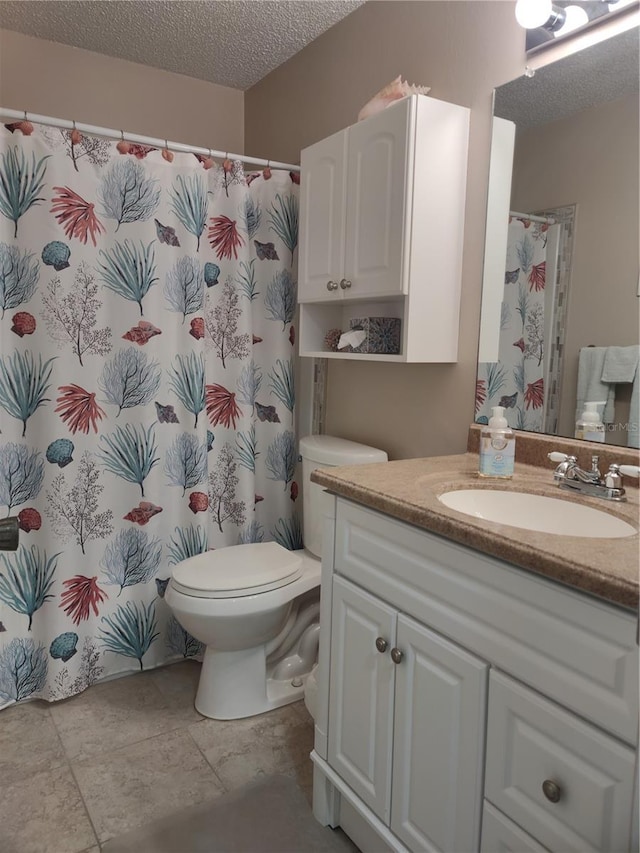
(256, 606)
(245, 623)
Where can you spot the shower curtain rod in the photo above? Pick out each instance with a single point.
(23, 115)
(548, 219)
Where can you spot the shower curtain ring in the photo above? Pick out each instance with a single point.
(167, 155)
(207, 162)
(123, 146)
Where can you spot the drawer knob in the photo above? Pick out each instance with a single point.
(551, 790)
(332, 285)
(345, 284)
(381, 645)
(396, 655)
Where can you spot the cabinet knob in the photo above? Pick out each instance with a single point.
(332, 285)
(396, 655)
(550, 789)
(381, 645)
(344, 284)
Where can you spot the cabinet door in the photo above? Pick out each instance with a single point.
(322, 206)
(438, 747)
(376, 202)
(361, 694)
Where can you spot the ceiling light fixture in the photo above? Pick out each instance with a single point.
(547, 21)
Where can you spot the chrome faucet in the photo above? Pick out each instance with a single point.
(570, 476)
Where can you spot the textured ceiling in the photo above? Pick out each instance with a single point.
(231, 43)
(604, 72)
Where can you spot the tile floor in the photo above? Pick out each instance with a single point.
(124, 753)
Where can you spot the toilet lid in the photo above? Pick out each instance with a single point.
(237, 570)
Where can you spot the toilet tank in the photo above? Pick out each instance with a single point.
(326, 451)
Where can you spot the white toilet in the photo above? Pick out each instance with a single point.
(256, 607)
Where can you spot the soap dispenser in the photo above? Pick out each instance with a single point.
(497, 446)
(589, 425)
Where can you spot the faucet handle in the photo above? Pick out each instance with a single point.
(566, 462)
(612, 479)
(556, 456)
(630, 470)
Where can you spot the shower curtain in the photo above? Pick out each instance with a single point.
(146, 392)
(516, 380)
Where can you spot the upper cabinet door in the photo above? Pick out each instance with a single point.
(376, 202)
(322, 189)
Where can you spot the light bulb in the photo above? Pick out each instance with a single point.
(533, 13)
(575, 16)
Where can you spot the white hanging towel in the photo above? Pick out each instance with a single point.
(621, 365)
(590, 384)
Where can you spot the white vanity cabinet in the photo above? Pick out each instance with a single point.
(467, 705)
(381, 228)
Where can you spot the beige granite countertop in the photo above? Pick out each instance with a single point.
(408, 490)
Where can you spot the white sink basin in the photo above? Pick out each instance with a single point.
(537, 512)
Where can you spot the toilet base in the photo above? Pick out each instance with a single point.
(237, 684)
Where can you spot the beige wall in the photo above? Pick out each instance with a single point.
(462, 50)
(67, 82)
(590, 159)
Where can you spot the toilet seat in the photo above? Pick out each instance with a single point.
(237, 570)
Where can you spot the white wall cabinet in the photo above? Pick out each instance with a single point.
(381, 229)
(432, 646)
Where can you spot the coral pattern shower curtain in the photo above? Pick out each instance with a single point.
(516, 380)
(146, 392)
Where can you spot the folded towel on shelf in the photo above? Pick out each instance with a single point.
(590, 384)
(621, 365)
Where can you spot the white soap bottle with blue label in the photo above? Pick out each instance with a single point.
(497, 447)
(589, 426)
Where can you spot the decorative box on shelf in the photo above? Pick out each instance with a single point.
(382, 335)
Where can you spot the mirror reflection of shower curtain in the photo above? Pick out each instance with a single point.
(549, 373)
(517, 380)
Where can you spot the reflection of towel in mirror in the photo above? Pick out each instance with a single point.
(621, 365)
(590, 384)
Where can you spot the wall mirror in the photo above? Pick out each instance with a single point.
(561, 252)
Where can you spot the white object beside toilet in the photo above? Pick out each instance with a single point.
(256, 606)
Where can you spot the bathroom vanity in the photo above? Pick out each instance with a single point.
(478, 684)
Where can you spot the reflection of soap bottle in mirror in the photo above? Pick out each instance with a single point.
(497, 446)
(589, 425)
